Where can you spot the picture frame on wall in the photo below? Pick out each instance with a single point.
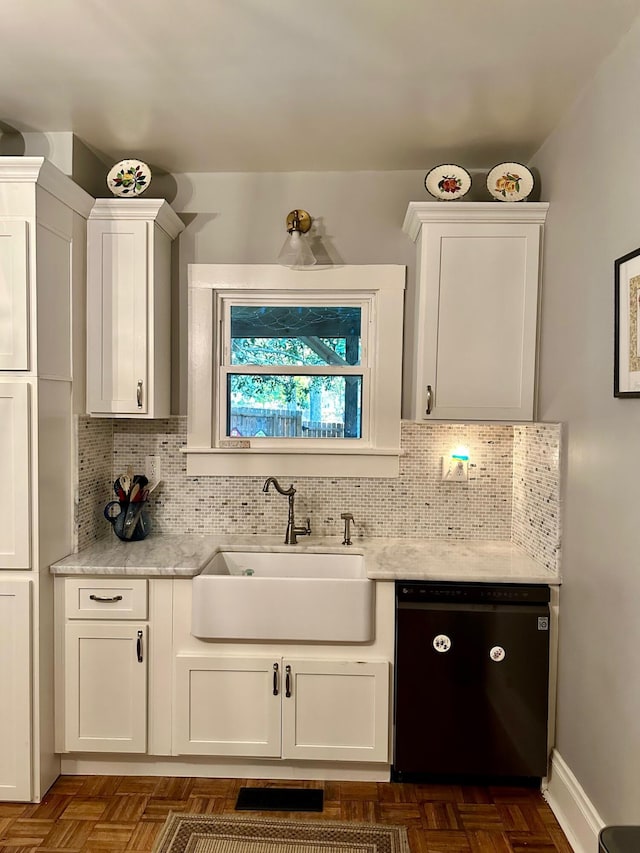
(626, 372)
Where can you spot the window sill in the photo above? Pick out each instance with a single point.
(293, 462)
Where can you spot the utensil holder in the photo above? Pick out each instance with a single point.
(132, 524)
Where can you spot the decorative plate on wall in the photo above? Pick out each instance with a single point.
(129, 178)
(448, 182)
(510, 182)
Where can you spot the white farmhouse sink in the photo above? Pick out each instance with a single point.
(283, 596)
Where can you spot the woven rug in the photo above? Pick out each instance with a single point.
(187, 833)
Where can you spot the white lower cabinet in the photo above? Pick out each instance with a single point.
(327, 710)
(105, 687)
(226, 706)
(15, 693)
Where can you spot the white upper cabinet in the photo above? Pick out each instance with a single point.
(475, 310)
(14, 296)
(129, 307)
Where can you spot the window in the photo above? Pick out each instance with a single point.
(295, 367)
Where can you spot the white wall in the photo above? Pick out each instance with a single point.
(591, 174)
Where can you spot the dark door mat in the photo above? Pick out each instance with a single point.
(280, 799)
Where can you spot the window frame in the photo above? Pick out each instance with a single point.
(224, 366)
(378, 290)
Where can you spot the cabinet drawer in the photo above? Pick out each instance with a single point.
(105, 598)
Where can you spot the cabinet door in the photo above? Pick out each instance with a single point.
(15, 694)
(227, 706)
(15, 551)
(105, 687)
(336, 710)
(478, 304)
(14, 296)
(117, 306)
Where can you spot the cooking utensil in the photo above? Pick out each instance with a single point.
(125, 484)
(134, 512)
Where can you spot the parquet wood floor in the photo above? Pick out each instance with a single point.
(114, 814)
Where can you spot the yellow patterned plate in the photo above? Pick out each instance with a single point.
(129, 178)
(510, 182)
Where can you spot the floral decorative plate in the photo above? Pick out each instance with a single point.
(510, 182)
(448, 182)
(129, 178)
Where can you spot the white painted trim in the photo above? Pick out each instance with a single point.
(574, 811)
(148, 209)
(377, 454)
(39, 170)
(490, 212)
(224, 768)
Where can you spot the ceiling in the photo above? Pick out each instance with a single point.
(274, 85)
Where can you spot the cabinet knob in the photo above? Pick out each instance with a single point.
(139, 393)
(429, 399)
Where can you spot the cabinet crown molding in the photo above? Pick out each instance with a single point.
(139, 208)
(38, 170)
(420, 212)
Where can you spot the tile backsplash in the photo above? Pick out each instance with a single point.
(511, 492)
(535, 523)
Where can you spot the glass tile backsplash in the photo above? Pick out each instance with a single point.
(512, 491)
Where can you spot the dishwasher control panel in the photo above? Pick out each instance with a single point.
(472, 593)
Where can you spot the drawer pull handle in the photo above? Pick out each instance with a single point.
(287, 681)
(275, 679)
(104, 598)
(139, 647)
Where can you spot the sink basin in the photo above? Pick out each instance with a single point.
(242, 595)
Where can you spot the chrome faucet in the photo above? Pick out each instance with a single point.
(347, 517)
(291, 536)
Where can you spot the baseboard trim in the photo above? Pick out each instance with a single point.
(574, 811)
(228, 768)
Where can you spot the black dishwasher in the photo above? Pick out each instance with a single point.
(471, 681)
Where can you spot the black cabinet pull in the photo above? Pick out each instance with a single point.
(275, 679)
(105, 598)
(287, 681)
(139, 647)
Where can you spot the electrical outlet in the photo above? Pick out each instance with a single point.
(455, 470)
(152, 468)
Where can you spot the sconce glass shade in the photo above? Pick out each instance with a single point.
(296, 251)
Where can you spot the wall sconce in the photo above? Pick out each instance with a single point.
(455, 467)
(296, 251)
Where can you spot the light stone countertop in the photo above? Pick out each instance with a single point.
(185, 555)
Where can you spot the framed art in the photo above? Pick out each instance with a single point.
(626, 371)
